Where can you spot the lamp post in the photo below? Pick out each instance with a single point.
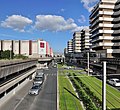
(88, 58)
(104, 86)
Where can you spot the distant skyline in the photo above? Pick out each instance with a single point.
(53, 21)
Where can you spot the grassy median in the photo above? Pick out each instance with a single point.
(68, 99)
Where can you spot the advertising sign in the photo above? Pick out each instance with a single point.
(41, 47)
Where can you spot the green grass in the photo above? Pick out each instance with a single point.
(95, 85)
(67, 101)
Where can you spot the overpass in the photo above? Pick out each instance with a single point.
(14, 74)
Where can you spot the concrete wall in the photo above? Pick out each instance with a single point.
(16, 47)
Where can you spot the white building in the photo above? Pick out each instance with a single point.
(105, 28)
(34, 49)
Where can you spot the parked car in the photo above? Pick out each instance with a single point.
(35, 90)
(114, 82)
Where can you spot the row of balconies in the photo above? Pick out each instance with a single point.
(94, 11)
(109, 1)
(111, 6)
(105, 18)
(105, 44)
(102, 32)
(102, 38)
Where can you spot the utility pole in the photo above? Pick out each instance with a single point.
(104, 86)
(88, 59)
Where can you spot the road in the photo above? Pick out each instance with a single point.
(47, 98)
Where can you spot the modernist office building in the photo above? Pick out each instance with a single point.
(105, 28)
(30, 48)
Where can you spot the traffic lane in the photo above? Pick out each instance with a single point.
(14, 101)
(47, 100)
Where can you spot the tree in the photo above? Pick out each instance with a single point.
(7, 54)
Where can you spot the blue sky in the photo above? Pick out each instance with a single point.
(52, 20)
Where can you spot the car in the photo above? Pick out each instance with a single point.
(114, 82)
(38, 80)
(35, 90)
(39, 74)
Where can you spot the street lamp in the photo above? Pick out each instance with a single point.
(88, 58)
(104, 86)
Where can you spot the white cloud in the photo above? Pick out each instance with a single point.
(82, 19)
(88, 4)
(62, 10)
(51, 23)
(80, 28)
(54, 23)
(16, 22)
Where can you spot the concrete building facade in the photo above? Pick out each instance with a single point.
(30, 48)
(105, 29)
(77, 42)
(85, 40)
(70, 46)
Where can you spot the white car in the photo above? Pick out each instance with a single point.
(35, 90)
(114, 82)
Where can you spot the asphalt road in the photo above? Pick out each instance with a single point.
(47, 98)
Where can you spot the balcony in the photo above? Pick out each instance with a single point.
(106, 31)
(116, 32)
(113, 50)
(116, 38)
(116, 44)
(107, 6)
(116, 20)
(117, 7)
(95, 34)
(102, 44)
(105, 25)
(105, 19)
(106, 12)
(109, 1)
(117, 13)
(102, 38)
(95, 9)
(97, 21)
(116, 25)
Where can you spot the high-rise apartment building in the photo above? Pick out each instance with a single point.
(77, 42)
(85, 40)
(116, 29)
(105, 31)
(70, 46)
